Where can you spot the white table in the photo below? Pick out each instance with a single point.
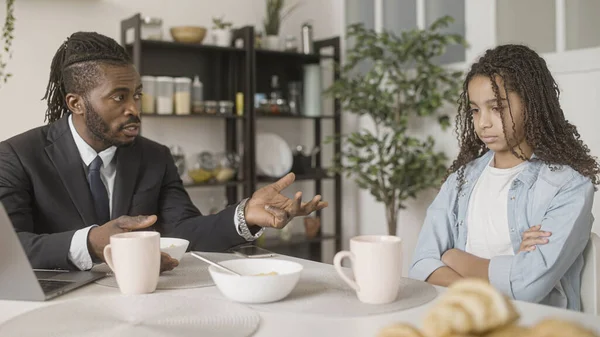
(281, 324)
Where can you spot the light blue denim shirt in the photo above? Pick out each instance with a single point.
(559, 199)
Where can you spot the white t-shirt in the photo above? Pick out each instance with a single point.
(487, 218)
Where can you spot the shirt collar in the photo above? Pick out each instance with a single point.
(87, 153)
(528, 176)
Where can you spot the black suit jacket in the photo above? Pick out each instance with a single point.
(44, 189)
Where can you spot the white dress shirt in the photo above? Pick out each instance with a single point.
(78, 251)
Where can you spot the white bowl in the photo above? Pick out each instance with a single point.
(174, 247)
(251, 288)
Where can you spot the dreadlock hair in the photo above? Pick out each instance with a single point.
(76, 68)
(554, 140)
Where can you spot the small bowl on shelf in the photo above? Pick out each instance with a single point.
(188, 34)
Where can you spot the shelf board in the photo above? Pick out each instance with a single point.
(286, 116)
(215, 184)
(187, 46)
(308, 58)
(193, 115)
(320, 175)
(295, 240)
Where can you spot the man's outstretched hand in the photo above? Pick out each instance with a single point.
(269, 208)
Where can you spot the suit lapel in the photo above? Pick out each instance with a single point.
(128, 164)
(66, 159)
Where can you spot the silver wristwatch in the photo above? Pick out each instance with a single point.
(242, 226)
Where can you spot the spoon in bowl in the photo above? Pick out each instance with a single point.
(214, 264)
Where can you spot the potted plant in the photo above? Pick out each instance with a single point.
(221, 32)
(7, 38)
(401, 83)
(272, 22)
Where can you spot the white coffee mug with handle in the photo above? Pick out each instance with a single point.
(134, 258)
(376, 261)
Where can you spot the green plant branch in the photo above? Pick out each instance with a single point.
(275, 15)
(220, 23)
(392, 80)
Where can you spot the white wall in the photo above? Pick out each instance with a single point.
(41, 26)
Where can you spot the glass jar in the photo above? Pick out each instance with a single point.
(228, 165)
(151, 28)
(204, 169)
(178, 157)
(198, 108)
(290, 43)
(226, 107)
(164, 99)
(149, 94)
(183, 95)
(211, 107)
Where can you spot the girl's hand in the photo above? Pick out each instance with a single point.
(533, 237)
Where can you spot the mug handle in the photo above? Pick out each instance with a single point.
(108, 257)
(337, 263)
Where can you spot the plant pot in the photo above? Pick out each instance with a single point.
(221, 37)
(271, 42)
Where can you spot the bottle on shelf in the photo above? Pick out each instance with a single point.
(277, 104)
(275, 89)
(197, 96)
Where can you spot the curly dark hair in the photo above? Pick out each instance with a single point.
(75, 68)
(553, 139)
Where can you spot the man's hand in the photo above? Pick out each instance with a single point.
(269, 208)
(167, 262)
(99, 237)
(533, 237)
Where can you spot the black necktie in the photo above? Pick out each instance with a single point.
(99, 192)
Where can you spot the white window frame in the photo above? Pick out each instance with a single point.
(561, 60)
(480, 31)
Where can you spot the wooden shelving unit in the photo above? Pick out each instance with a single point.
(231, 70)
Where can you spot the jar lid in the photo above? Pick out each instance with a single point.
(225, 103)
(149, 78)
(210, 103)
(147, 20)
(164, 79)
(184, 80)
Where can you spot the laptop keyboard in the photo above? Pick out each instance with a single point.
(49, 286)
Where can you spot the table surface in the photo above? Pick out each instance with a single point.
(278, 324)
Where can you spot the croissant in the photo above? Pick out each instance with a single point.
(469, 307)
(511, 330)
(400, 330)
(559, 328)
(472, 308)
(407, 330)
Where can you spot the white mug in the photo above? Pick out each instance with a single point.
(377, 266)
(134, 258)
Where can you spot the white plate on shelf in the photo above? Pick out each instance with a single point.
(273, 155)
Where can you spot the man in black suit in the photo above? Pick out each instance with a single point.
(68, 186)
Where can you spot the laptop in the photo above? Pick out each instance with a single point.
(19, 281)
